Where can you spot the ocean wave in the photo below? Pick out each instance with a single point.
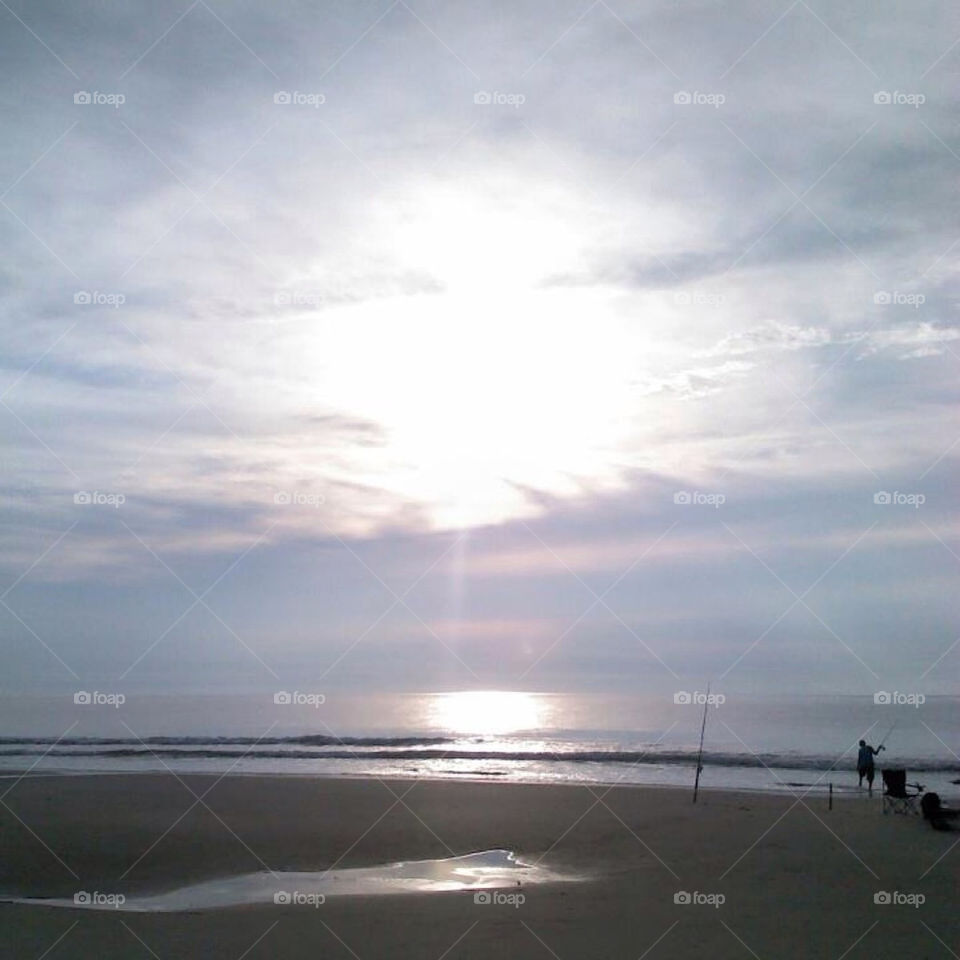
(316, 740)
(400, 749)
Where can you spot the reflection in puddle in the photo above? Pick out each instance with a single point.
(489, 869)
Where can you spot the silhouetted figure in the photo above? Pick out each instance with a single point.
(938, 815)
(865, 764)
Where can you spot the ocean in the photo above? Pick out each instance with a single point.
(773, 743)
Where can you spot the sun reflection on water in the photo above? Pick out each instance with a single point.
(488, 712)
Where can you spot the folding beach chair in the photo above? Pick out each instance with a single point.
(898, 795)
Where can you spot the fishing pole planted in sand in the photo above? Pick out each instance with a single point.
(703, 728)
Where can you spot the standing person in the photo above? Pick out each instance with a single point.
(865, 764)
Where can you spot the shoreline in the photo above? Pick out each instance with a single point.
(841, 791)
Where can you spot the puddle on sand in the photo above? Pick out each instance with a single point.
(489, 869)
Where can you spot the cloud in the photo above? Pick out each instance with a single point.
(415, 315)
(924, 338)
(771, 336)
(924, 335)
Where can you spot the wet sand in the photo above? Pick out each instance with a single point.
(796, 879)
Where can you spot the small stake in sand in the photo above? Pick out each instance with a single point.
(703, 728)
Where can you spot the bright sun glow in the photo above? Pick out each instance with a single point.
(498, 382)
(487, 711)
(488, 241)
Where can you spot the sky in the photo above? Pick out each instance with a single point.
(408, 346)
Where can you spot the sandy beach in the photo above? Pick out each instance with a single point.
(796, 879)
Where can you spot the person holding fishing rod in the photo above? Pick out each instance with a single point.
(865, 764)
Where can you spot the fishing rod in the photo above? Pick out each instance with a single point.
(703, 728)
(892, 726)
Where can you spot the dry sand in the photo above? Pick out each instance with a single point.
(798, 880)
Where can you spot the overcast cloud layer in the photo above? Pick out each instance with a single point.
(533, 345)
